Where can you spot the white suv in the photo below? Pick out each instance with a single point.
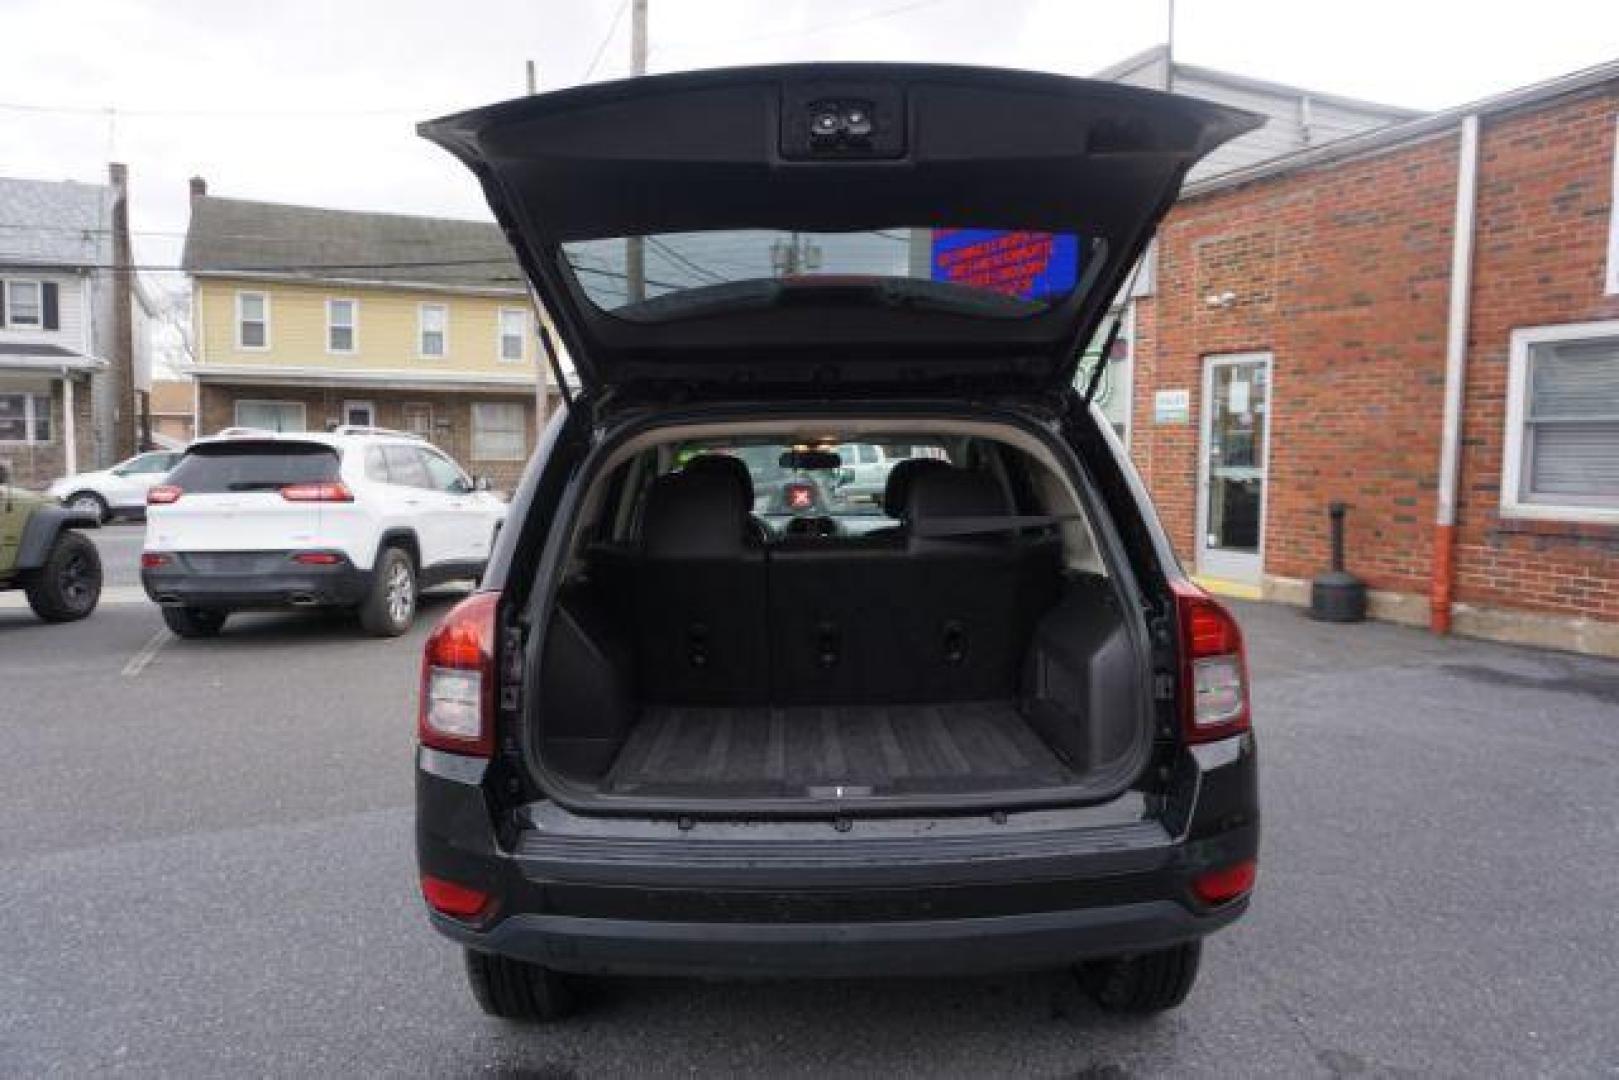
(361, 518)
(119, 491)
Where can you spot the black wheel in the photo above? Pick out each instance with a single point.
(190, 622)
(88, 502)
(516, 990)
(1145, 983)
(391, 605)
(68, 586)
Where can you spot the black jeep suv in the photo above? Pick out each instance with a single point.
(707, 717)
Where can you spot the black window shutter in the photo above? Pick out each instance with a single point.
(2, 302)
(52, 316)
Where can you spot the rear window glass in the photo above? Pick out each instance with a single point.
(253, 466)
(1026, 272)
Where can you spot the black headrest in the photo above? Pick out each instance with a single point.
(695, 515)
(897, 492)
(956, 493)
(724, 463)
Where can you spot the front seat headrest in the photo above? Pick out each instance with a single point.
(695, 515)
(897, 492)
(724, 463)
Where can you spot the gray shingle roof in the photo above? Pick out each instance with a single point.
(238, 234)
(54, 223)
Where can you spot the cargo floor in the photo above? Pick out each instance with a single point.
(945, 749)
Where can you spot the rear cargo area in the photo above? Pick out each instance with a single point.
(705, 661)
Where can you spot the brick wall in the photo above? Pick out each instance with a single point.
(451, 413)
(35, 466)
(1341, 271)
(1340, 274)
(1545, 197)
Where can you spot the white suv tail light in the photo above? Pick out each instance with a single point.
(458, 680)
(1214, 669)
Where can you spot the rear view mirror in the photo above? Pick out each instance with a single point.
(810, 460)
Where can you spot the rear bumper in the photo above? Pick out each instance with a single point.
(621, 896)
(1030, 941)
(275, 582)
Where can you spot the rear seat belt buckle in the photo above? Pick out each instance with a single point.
(697, 645)
(828, 644)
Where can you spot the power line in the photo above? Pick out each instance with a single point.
(280, 267)
(103, 111)
(601, 49)
(702, 272)
(814, 28)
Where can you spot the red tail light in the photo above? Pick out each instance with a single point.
(151, 560)
(162, 495)
(448, 898)
(335, 491)
(1226, 883)
(1214, 670)
(458, 680)
(317, 558)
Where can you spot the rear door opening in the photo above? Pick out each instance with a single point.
(717, 644)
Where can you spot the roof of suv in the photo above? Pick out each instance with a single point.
(343, 436)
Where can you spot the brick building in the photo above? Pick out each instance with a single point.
(1323, 326)
(304, 318)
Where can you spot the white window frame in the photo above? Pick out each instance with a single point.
(30, 413)
(353, 325)
(303, 411)
(39, 302)
(241, 295)
(523, 335)
(1514, 446)
(1613, 218)
(421, 332)
(522, 433)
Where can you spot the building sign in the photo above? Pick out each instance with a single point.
(1172, 407)
(1032, 265)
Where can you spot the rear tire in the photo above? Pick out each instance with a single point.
(190, 622)
(68, 586)
(88, 502)
(517, 990)
(1146, 983)
(390, 607)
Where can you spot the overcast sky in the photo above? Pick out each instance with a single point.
(314, 102)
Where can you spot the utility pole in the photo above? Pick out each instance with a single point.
(635, 246)
(533, 85)
(1169, 51)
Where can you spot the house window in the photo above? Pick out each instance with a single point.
(340, 319)
(25, 418)
(252, 320)
(513, 332)
(1562, 438)
(271, 415)
(360, 413)
(1613, 220)
(24, 304)
(433, 320)
(497, 431)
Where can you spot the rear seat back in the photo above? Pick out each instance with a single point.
(934, 620)
(699, 596)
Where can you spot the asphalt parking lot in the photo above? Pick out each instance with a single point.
(207, 868)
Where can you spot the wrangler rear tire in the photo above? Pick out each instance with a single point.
(1145, 983)
(517, 990)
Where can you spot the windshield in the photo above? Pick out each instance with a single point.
(1035, 270)
(845, 480)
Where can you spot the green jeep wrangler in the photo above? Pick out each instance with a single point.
(43, 553)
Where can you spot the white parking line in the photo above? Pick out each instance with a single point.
(149, 651)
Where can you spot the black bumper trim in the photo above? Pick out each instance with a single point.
(296, 585)
(1031, 941)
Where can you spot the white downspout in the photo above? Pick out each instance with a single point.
(1450, 447)
(70, 434)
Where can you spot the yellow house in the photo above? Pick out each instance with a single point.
(305, 318)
